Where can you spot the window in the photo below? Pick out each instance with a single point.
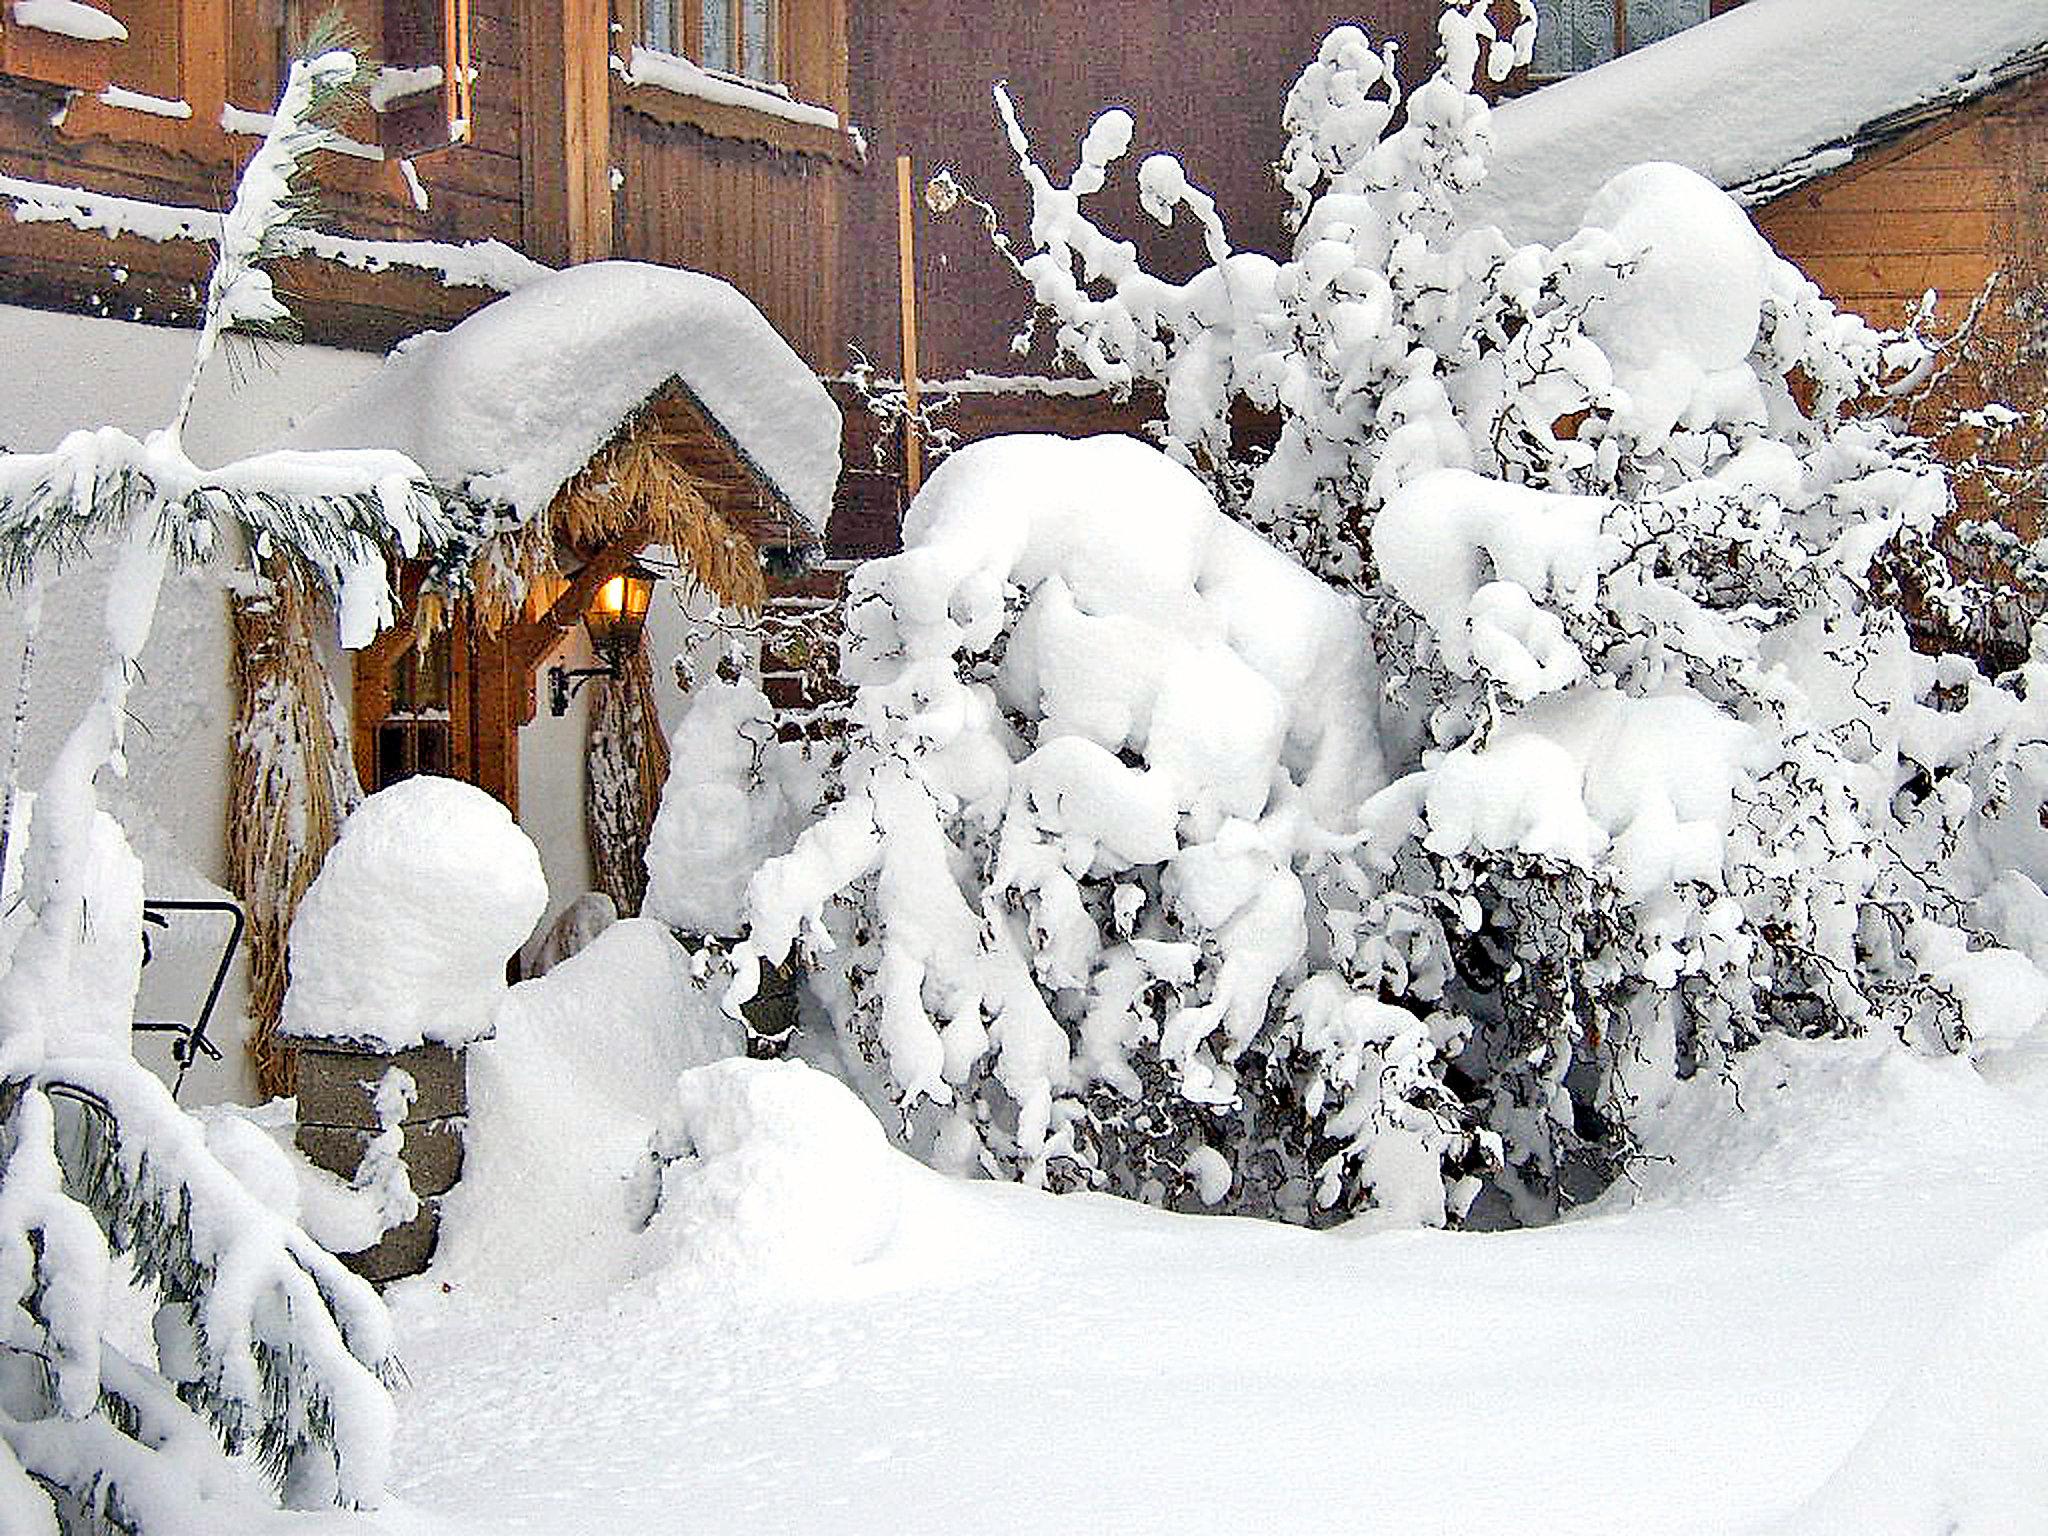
(733, 37)
(1572, 35)
(416, 735)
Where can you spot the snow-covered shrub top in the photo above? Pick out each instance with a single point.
(729, 804)
(1099, 733)
(1159, 867)
(515, 400)
(404, 934)
(1768, 87)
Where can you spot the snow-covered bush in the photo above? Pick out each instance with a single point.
(1606, 759)
(1103, 746)
(1666, 775)
(263, 1342)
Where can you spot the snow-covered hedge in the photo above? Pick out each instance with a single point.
(1157, 864)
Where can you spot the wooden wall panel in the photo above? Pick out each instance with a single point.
(764, 220)
(472, 192)
(1205, 82)
(1939, 210)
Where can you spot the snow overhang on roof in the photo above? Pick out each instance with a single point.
(509, 405)
(1757, 100)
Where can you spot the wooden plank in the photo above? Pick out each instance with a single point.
(543, 172)
(586, 127)
(1953, 275)
(1905, 187)
(1838, 232)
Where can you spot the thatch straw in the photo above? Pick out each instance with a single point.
(630, 486)
(628, 764)
(290, 784)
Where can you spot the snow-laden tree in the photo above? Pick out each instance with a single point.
(1644, 770)
(263, 1342)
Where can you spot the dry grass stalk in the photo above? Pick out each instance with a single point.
(291, 782)
(630, 486)
(628, 765)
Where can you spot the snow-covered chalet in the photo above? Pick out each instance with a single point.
(756, 145)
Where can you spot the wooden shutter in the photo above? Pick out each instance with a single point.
(427, 35)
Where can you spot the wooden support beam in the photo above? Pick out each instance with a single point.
(913, 442)
(586, 115)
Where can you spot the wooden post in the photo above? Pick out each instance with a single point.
(913, 443)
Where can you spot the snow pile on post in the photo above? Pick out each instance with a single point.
(403, 936)
(513, 402)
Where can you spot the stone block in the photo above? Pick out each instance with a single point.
(433, 1151)
(337, 1084)
(404, 1250)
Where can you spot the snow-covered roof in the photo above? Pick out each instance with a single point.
(512, 402)
(1756, 100)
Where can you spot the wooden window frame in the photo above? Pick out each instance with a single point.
(216, 39)
(811, 59)
(1622, 44)
(690, 13)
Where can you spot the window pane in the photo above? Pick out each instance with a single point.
(718, 39)
(1649, 20)
(757, 21)
(659, 17)
(1572, 35)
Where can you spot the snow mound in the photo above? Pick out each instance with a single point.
(771, 1172)
(1962, 1447)
(403, 936)
(517, 398)
(1740, 97)
(563, 1101)
(727, 807)
(1682, 321)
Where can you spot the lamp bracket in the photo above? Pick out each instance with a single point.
(563, 684)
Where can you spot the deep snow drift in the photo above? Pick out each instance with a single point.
(1823, 1314)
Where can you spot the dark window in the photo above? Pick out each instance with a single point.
(416, 735)
(1572, 35)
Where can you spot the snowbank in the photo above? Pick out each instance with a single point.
(517, 398)
(1739, 97)
(404, 934)
(1962, 1447)
(564, 1100)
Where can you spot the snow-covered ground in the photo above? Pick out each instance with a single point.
(1699, 1353)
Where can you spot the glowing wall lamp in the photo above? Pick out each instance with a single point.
(614, 620)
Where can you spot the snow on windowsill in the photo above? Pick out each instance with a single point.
(70, 18)
(137, 101)
(670, 72)
(480, 264)
(395, 85)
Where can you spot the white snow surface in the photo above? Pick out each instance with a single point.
(1739, 97)
(516, 399)
(1824, 1315)
(70, 18)
(564, 1101)
(404, 933)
